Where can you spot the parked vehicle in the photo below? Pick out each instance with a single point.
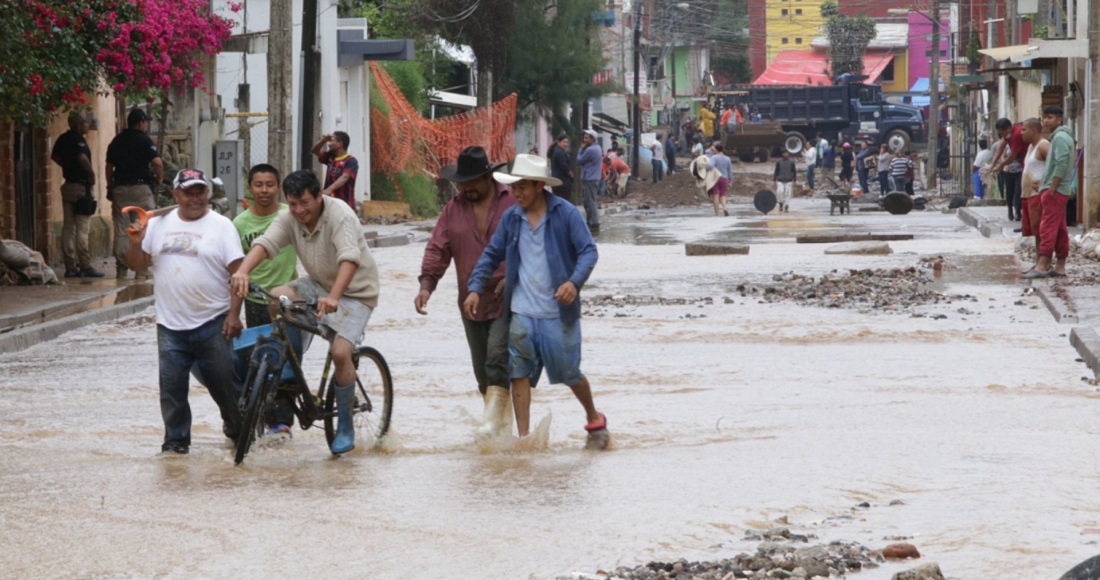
(847, 110)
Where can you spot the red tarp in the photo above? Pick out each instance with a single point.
(807, 67)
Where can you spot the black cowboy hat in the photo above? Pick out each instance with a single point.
(472, 163)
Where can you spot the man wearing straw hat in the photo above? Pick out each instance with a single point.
(550, 254)
(464, 228)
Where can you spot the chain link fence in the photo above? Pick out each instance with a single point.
(251, 128)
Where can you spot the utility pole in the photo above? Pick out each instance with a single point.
(309, 82)
(934, 99)
(1092, 128)
(635, 118)
(280, 88)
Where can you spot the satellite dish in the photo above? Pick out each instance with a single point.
(764, 201)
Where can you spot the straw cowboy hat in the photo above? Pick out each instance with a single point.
(530, 167)
(472, 163)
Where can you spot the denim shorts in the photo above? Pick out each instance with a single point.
(534, 343)
(351, 316)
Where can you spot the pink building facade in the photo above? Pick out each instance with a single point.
(920, 45)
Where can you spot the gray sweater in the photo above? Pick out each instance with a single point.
(785, 170)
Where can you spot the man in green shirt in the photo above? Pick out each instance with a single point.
(1058, 186)
(263, 184)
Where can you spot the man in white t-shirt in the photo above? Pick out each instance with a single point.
(192, 252)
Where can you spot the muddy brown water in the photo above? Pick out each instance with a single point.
(723, 422)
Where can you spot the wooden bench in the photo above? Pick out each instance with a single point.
(841, 201)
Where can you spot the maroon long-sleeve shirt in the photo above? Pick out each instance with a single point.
(456, 237)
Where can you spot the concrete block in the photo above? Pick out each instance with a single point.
(389, 241)
(1059, 307)
(861, 248)
(1087, 343)
(715, 249)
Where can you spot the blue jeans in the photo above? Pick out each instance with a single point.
(979, 185)
(884, 182)
(206, 348)
(810, 176)
(550, 343)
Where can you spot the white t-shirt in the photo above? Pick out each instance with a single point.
(983, 158)
(810, 156)
(189, 267)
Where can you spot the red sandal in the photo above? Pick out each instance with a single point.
(597, 425)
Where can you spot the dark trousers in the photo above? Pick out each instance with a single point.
(810, 176)
(658, 170)
(863, 185)
(884, 182)
(1012, 183)
(206, 348)
(488, 342)
(256, 314)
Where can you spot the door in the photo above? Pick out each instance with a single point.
(24, 184)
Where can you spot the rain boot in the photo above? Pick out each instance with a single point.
(344, 440)
(498, 411)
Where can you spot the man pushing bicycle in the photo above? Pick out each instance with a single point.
(342, 278)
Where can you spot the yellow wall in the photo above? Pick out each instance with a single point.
(901, 73)
(792, 26)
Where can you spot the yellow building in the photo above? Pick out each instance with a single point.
(792, 25)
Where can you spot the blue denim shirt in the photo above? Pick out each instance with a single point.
(570, 253)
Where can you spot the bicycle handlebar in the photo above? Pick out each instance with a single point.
(299, 313)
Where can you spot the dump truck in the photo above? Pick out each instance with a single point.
(848, 110)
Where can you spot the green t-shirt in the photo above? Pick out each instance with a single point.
(270, 273)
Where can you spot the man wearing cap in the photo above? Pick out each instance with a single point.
(589, 160)
(131, 183)
(342, 278)
(549, 255)
(465, 226)
(72, 154)
(193, 252)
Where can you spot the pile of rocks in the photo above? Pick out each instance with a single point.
(781, 555)
(890, 290)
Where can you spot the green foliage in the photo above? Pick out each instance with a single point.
(551, 63)
(973, 47)
(848, 40)
(408, 77)
(725, 33)
(418, 191)
(829, 9)
(734, 67)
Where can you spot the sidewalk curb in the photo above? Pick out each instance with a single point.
(986, 227)
(1087, 343)
(1052, 303)
(25, 338)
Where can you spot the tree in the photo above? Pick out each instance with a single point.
(848, 39)
(54, 55)
(724, 30)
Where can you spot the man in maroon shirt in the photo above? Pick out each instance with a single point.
(464, 229)
(341, 168)
(1010, 164)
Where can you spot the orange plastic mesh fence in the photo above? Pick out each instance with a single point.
(403, 139)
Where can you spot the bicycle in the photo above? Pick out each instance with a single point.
(266, 378)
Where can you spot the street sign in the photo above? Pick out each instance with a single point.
(961, 79)
(228, 166)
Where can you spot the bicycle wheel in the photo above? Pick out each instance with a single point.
(373, 398)
(257, 396)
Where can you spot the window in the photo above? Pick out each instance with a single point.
(785, 40)
(798, 41)
(798, 12)
(785, 12)
(887, 75)
(928, 53)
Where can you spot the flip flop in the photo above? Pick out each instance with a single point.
(1034, 274)
(1054, 274)
(597, 425)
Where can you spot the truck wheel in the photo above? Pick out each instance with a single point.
(897, 140)
(762, 155)
(794, 143)
(746, 157)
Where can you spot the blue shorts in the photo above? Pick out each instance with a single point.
(537, 342)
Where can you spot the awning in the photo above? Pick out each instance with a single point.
(1001, 53)
(809, 67)
(1059, 48)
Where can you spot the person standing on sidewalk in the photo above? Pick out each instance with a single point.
(786, 173)
(192, 251)
(863, 166)
(463, 230)
(560, 166)
(882, 164)
(72, 154)
(590, 160)
(341, 169)
(1058, 185)
(828, 164)
(658, 162)
(981, 164)
(1031, 207)
(549, 256)
(1011, 164)
(670, 154)
(809, 155)
(899, 168)
(131, 183)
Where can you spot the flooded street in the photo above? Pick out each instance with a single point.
(725, 416)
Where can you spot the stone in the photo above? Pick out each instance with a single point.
(715, 249)
(389, 241)
(929, 571)
(860, 248)
(900, 552)
(370, 235)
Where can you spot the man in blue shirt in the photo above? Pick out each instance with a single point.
(549, 255)
(589, 160)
